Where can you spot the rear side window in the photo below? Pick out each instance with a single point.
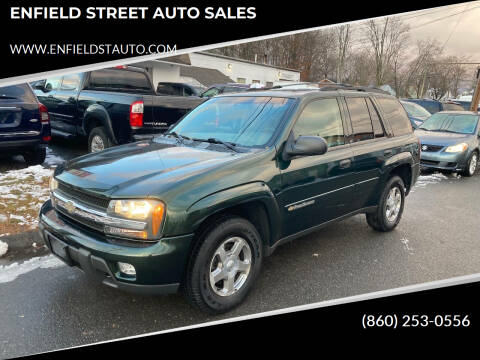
(168, 89)
(122, 80)
(17, 92)
(396, 115)
(321, 118)
(360, 116)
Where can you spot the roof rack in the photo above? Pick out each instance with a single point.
(354, 88)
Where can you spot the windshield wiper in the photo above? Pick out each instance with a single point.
(179, 137)
(230, 145)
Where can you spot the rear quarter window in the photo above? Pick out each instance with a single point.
(122, 80)
(395, 115)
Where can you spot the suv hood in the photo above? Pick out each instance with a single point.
(139, 164)
(441, 138)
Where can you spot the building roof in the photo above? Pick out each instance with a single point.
(246, 61)
(204, 76)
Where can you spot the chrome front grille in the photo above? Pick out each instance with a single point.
(431, 148)
(83, 197)
(89, 216)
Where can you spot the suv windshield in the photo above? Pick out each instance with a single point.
(415, 110)
(458, 123)
(245, 121)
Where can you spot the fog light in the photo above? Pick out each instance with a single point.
(126, 269)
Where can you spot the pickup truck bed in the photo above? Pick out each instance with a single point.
(110, 106)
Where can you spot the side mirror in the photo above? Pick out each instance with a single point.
(304, 146)
(39, 85)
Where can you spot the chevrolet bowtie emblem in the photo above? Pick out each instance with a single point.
(70, 207)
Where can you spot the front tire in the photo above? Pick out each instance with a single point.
(390, 209)
(224, 265)
(471, 165)
(98, 140)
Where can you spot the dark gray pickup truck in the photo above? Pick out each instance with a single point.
(109, 106)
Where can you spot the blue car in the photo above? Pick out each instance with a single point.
(434, 106)
(416, 113)
(24, 124)
(450, 141)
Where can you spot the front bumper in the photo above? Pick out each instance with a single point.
(159, 267)
(443, 160)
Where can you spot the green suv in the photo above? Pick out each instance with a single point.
(198, 208)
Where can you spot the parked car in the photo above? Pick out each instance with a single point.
(199, 207)
(416, 113)
(450, 141)
(464, 104)
(217, 89)
(179, 89)
(109, 106)
(433, 106)
(24, 124)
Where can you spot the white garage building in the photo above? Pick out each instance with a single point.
(203, 68)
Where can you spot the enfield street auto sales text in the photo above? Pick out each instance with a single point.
(131, 13)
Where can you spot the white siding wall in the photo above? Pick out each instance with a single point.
(234, 69)
(238, 69)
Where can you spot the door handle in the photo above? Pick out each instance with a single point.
(344, 164)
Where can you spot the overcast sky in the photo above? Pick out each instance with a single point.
(457, 26)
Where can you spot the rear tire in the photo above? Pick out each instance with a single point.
(390, 209)
(35, 156)
(98, 140)
(471, 165)
(218, 276)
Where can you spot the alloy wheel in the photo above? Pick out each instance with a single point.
(472, 166)
(97, 144)
(230, 266)
(393, 205)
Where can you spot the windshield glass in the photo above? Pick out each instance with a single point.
(415, 110)
(459, 123)
(245, 121)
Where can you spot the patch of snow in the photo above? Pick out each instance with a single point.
(424, 180)
(10, 272)
(3, 248)
(53, 160)
(18, 217)
(3, 218)
(406, 245)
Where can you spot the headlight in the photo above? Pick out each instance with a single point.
(418, 122)
(457, 148)
(53, 184)
(151, 212)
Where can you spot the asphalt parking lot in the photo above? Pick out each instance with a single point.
(46, 306)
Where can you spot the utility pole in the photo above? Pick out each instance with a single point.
(476, 94)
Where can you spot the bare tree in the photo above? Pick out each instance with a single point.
(385, 38)
(343, 46)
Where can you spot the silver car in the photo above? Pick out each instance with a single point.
(450, 141)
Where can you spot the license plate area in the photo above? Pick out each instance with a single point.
(59, 248)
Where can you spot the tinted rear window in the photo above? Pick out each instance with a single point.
(396, 115)
(21, 92)
(120, 80)
(360, 116)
